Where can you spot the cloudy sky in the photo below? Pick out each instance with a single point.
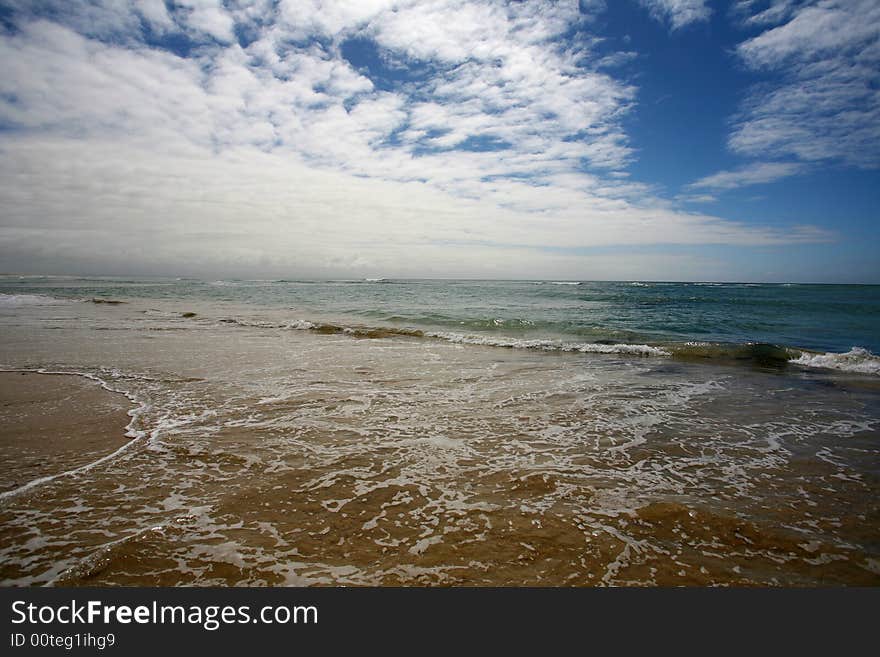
(617, 139)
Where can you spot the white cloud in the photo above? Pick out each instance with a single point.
(752, 174)
(156, 14)
(827, 27)
(827, 105)
(304, 18)
(110, 19)
(281, 155)
(190, 210)
(678, 12)
(696, 198)
(209, 17)
(755, 13)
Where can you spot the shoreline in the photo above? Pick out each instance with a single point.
(271, 457)
(53, 424)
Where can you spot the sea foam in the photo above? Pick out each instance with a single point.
(16, 300)
(551, 345)
(856, 359)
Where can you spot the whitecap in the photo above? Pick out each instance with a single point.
(857, 359)
(16, 300)
(551, 345)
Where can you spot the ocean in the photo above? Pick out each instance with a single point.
(427, 432)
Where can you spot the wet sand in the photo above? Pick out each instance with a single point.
(50, 424)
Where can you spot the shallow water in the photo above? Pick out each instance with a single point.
(269, 455)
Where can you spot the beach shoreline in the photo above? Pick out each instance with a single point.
(267, 455)
(51, 424)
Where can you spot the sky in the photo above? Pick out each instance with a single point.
(590, 140)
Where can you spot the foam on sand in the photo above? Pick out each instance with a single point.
(130, 431)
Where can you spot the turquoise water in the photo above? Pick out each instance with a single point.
(698, 319)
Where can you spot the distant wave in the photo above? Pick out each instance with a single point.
(16, 300)
(564, 283)
(234, 283)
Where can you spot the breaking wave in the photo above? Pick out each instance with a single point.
(16, 300)
(553, 345)
(856, 359)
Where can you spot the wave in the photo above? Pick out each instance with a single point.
(301, 324)
(564, 283)
(379, 332)
(16, 300)
(372, 332)
(856, 359)
(111, 302)
(759, 353)
(552, 345)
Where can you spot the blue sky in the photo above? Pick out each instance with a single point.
(634, 139)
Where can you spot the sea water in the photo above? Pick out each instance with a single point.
(456, 432)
